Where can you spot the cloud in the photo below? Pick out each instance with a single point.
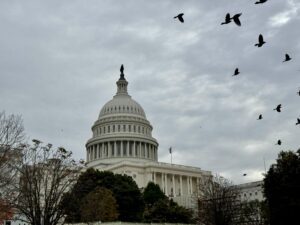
(59, 63)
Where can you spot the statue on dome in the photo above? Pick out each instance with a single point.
(122, 72)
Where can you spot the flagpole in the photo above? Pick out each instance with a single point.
(170, 151)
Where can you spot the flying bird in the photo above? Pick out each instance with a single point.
(298, 92)
(260, 117)
(298, 121)
(260, 1)
(236, 19)
(180, 17)
(236, 72)
(278, 108)
(261, 41)
(227, 19)
(278, 142)
(287, 58)
(244, 174)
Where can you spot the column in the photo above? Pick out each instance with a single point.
(127, 149)
(191, 179)
(100, 149)
(181, 190)
(154, 177)
(115, 147)
(162, 182)
(109, 149)
(188, 185)
(174, 190)
(166, 184)
(133, 149)
(140, 150)
(121, 143)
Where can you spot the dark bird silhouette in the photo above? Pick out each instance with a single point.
(261, 41)
(180, 17)
(287, 58)
(278, 108)
(122, 69)
(260, 117)
(298, 92)
(279, 142)
(236, 72)
(261, 1)
(227, 19)
(236, 19)
(244, 174)
(298, 121)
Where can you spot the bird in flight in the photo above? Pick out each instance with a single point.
(287, 58)
(261, 1)
(278, 108)
(298, 121)
(278, 142)
(261, 41)
(298, 92)
(235, 19)
(244, 174)
(236, 72)
(260, 117)
(227, 19)
(180, 17)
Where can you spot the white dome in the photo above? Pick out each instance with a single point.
(122, 104)
(121, 132)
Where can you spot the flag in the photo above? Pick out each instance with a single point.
(170, 150)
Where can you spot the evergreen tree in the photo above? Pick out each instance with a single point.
(281, 188)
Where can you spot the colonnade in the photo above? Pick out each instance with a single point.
(175, 185)
(111, 149)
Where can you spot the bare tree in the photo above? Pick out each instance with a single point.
(218, 202)
(44, 175)
(11, 136)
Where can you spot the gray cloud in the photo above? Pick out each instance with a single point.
(59, 62)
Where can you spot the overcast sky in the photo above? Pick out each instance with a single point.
(59, 61)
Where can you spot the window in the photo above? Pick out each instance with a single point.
(113, 128)
(255, 193)
(129, 128)
(108, 129)
(119, 128)
(124, 128)
(134, 129)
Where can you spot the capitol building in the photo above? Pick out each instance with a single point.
(122, 143)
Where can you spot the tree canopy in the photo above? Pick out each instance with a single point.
(281, 188)
(124, 189)
(99, 205)
(160, 209)
(152, 193)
